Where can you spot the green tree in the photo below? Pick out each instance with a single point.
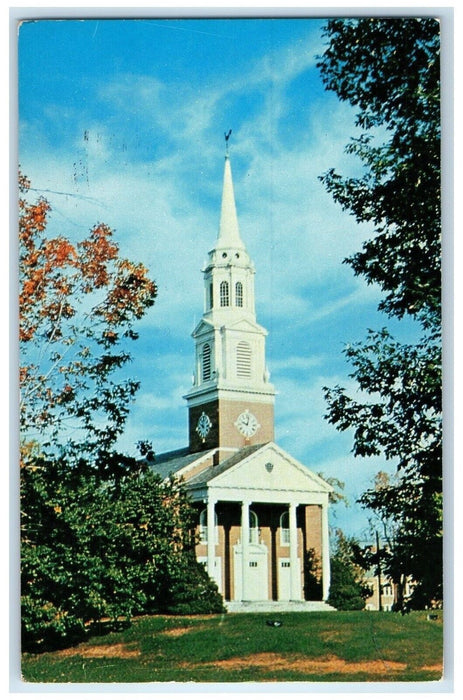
(388, 68)
(348, 590)
(96, 548)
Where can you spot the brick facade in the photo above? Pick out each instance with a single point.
(223, 415)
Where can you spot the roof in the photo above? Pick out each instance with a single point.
(171, 462)
(211, 472)
(176, 461)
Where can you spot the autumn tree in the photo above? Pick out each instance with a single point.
(388, 68)
(77, 306)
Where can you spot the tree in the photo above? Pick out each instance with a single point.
(77, 305)
(389, 70)
(101, 534)
(96, 548)
(409, 515)
(348, 590)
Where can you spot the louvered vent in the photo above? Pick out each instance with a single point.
(206, 362)
(243, 360)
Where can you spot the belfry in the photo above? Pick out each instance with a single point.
(262, 515)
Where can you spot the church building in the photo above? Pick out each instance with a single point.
(262, 515)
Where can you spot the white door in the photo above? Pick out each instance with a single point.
(256, 572)
(217, 573)
(284, 577)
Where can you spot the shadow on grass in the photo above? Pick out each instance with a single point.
(55, 642)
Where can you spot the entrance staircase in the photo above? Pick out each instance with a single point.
(277, 606)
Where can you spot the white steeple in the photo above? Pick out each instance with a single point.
(230, 365)
(229, 233)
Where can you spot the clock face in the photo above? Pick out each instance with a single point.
(247, 424)
(204, 425)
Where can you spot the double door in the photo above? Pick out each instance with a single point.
(256, 572)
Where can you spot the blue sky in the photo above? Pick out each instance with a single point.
(122, 121)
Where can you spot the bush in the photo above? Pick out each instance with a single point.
(191, 591)
(45, 626)
(95, 547)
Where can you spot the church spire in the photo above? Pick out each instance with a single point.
(229, 233)
(231, 400)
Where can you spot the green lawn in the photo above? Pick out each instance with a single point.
(325, 646)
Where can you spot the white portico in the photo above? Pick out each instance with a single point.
(282, 511)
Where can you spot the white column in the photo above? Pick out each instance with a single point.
(244, 548)
(211, 537)
(295, 574)
(325, 552)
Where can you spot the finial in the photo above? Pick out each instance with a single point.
(227, 136)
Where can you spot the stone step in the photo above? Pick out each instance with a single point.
(275, 606)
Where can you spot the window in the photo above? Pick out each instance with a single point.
(206, 362)
(211, 295)
(284, 528)
(243, 359)
(224, 294)
(203, 527)
(253, 528)
(239, 294)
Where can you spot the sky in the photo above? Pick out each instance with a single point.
(123, 121)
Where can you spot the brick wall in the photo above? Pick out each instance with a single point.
(223, 432)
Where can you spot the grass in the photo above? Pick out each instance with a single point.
(325, 646)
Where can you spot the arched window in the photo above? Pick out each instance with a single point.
(253, 528)
(284, 528)
(211, 295)
(239, 294)
(224, 294)
(206, 362)
(203, 527)
(243, 359)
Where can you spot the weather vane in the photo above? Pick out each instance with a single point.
(227, 136)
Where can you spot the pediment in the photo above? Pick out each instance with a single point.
(204, 326)
(246, 325)
(270, 469)
(241, 325)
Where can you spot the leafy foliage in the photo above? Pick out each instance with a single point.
(77, 305)
(313, 584)
(389, 69)
(409, 513)
(348, 591)
(95, 548)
